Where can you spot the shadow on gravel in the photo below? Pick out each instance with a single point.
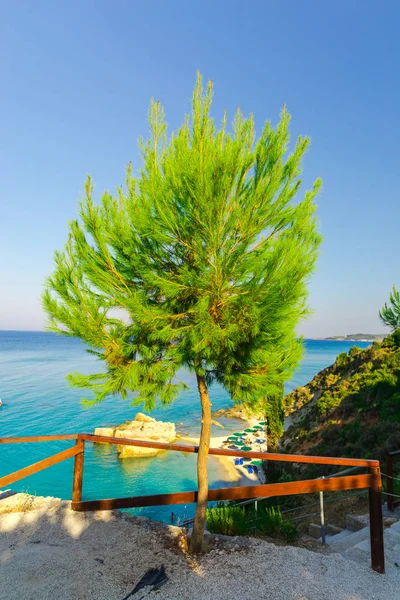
(64, 555)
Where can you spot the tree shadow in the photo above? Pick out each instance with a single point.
(54, 552)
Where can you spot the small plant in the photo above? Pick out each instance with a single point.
(271, 521)
(354, 351)
(227, 519)
(341, 360)
(230, 519)
(289, 531)
(273, 524)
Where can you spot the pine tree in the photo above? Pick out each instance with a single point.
(390, 316)
(200, 262)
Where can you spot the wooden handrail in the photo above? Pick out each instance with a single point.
(372, 481)
(39, 466)
(296, 458)
(38, 438)
(289, 488)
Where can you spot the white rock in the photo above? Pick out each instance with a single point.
(144, 418)
(142, 427)
(104, 431)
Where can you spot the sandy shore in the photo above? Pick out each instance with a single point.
(232, 473)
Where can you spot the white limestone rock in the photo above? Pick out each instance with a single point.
(142, 427)
(104, 431)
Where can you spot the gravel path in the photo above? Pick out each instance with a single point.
(53, 553)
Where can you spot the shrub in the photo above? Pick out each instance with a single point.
(331, 379)
(354, 351)
(227, 519)
(289, 531)
(341, 359)
(230, 519)
(272, 524)
(396, 338)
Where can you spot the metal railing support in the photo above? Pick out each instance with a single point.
(322, 515)
(389, 481)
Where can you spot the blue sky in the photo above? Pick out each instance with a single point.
(77, 79)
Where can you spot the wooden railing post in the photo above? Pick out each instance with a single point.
(376, 521)
(78, 472)
(389, 481)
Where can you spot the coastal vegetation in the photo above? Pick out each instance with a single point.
(200, 262)
(350, 409)
(231, 519)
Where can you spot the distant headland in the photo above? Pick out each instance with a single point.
(358, 337)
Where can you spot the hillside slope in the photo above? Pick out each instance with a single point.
(351, 408)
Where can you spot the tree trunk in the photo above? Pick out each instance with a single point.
(196, 540)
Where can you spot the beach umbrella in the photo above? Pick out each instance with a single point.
(258, 427)
(263, 422)
(237, 434)
(231, 439)
(247, 448)
(249, 430)
(257, 463)
(233, 447)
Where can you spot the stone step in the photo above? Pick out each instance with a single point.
(334, 539)
(391, 542)
(363, 557)
(391, 537)
(356, 546)
(349, 541)
(396, 526)
(314, 530)
(391, 513)
(354, 523)
(365, 545)
(396, 549)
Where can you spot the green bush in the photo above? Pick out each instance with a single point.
(396, 338)
(354, 351)
(341, 360)
(289, 531)
(227, 519)
(271, 523)
(230, 519)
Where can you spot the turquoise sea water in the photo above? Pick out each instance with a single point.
(37, 400)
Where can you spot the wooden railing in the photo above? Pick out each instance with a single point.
(371, 480)
(392, 501)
